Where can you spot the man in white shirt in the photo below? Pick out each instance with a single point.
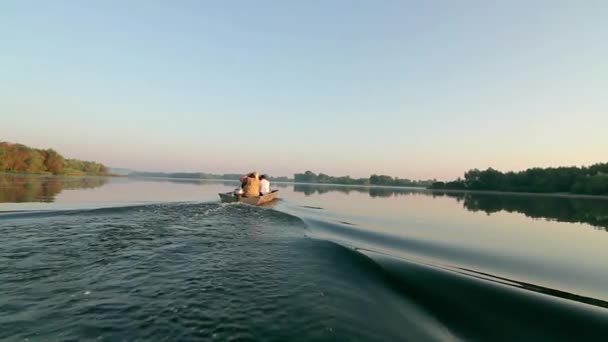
(264, 185)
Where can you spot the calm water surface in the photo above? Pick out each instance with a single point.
(156, 259)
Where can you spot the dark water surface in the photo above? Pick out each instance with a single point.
(162, 260)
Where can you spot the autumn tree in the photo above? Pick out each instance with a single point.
(53, 162)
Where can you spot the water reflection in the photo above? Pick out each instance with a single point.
(563, 209)
(21, 188)
(311, 189)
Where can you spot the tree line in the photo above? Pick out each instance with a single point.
(23, 159)
(589, 180)
(384, 180)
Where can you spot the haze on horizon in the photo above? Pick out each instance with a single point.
(406, 88)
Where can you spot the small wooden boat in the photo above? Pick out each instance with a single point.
(230, 197)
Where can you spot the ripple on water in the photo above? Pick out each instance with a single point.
(180, 272)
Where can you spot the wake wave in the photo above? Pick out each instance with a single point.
(425, 253)
(471, 303)
(474, 305)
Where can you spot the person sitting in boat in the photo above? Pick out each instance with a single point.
(264, 185)
(252, 188)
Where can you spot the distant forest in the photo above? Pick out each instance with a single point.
(321, 178)
(589, 180)
(22, 159)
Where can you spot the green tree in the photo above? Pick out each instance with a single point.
(584, 180)
(35, 162)
(20, 158)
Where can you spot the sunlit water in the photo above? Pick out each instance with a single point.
(127, 260)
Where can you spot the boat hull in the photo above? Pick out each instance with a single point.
(229, 197)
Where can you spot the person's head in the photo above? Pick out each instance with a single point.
(263, 177)
(251, 175)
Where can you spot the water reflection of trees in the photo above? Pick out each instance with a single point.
(311, 189)
(563, 209)
(25, 188)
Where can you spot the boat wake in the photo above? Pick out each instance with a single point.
(470, 303)
(231, 271)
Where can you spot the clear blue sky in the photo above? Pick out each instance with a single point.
(416, 89)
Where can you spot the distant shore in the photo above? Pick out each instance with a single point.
(18, 158)
(589, 180)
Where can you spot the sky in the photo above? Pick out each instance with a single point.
(414, 89)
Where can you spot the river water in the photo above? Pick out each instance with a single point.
(120, 259)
